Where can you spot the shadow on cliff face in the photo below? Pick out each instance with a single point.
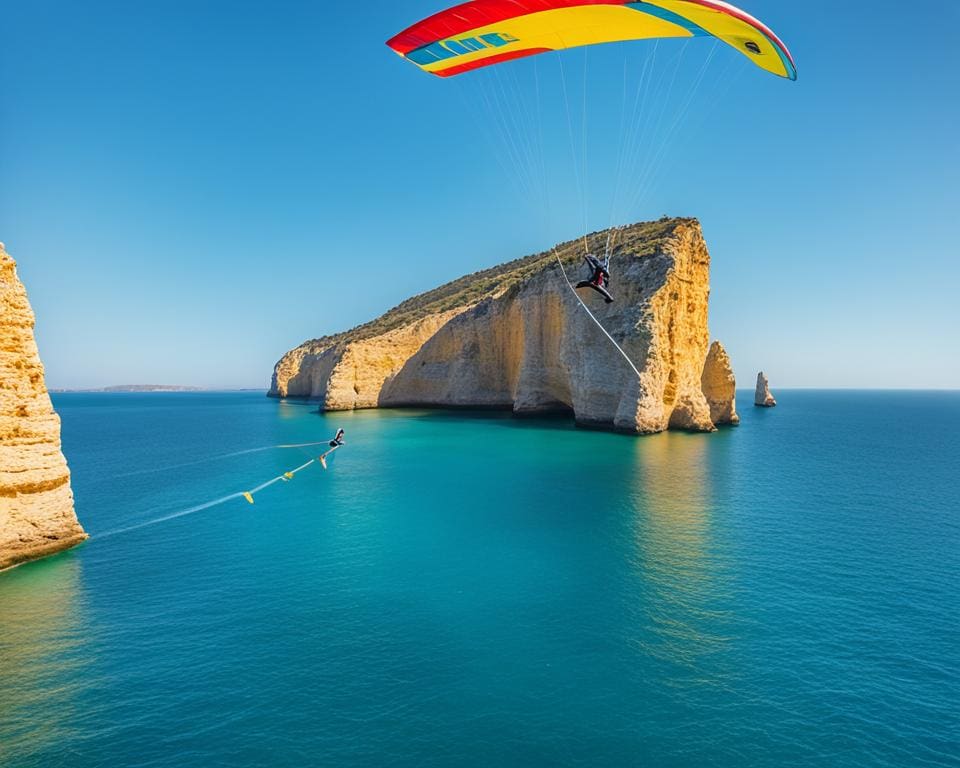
(43, 661)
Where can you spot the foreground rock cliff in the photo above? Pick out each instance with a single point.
(36, 502)
(515, 337)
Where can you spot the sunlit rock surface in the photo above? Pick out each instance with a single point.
(720, 386)
(36, 503)
(763, 397)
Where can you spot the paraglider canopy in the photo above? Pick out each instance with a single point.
(484, 32)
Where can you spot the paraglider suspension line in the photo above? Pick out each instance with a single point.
(593, 317)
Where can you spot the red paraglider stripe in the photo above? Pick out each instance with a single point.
(472, 15)
(460, 68)
(479, 13)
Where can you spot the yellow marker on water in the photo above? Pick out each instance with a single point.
(248, 496)
(288, 475)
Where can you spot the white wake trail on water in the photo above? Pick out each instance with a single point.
(286, 476)
(174, 516)
(218, 457)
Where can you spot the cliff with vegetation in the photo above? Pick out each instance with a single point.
(36, 502)
(514, 336)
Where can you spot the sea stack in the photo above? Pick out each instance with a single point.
(763, 398)
(36, 502)
(720, 386)
(515, 337)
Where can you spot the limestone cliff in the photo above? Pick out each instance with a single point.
(515, 337)
(763, 397)
(36, 502)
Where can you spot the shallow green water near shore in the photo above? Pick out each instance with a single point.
(470, 589)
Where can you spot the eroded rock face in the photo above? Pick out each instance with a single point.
(527, 344)
(719, 386)
(763, 397)
(348, 374)
(36, 502)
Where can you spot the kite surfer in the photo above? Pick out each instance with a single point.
(334, 444)
(600, 277)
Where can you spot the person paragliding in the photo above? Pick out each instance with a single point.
(478, 34)
(335, 443)
(599, 277)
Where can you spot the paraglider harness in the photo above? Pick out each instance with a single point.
(600, 278)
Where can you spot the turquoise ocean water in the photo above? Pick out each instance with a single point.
(474, 590)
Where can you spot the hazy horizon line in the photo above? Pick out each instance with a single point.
(111, 389)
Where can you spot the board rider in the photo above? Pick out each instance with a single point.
(334, 444)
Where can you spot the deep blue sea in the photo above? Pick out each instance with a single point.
(466, 589)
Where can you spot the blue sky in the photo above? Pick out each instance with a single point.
(192, 188)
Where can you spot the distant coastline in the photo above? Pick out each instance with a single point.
(147, 388)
